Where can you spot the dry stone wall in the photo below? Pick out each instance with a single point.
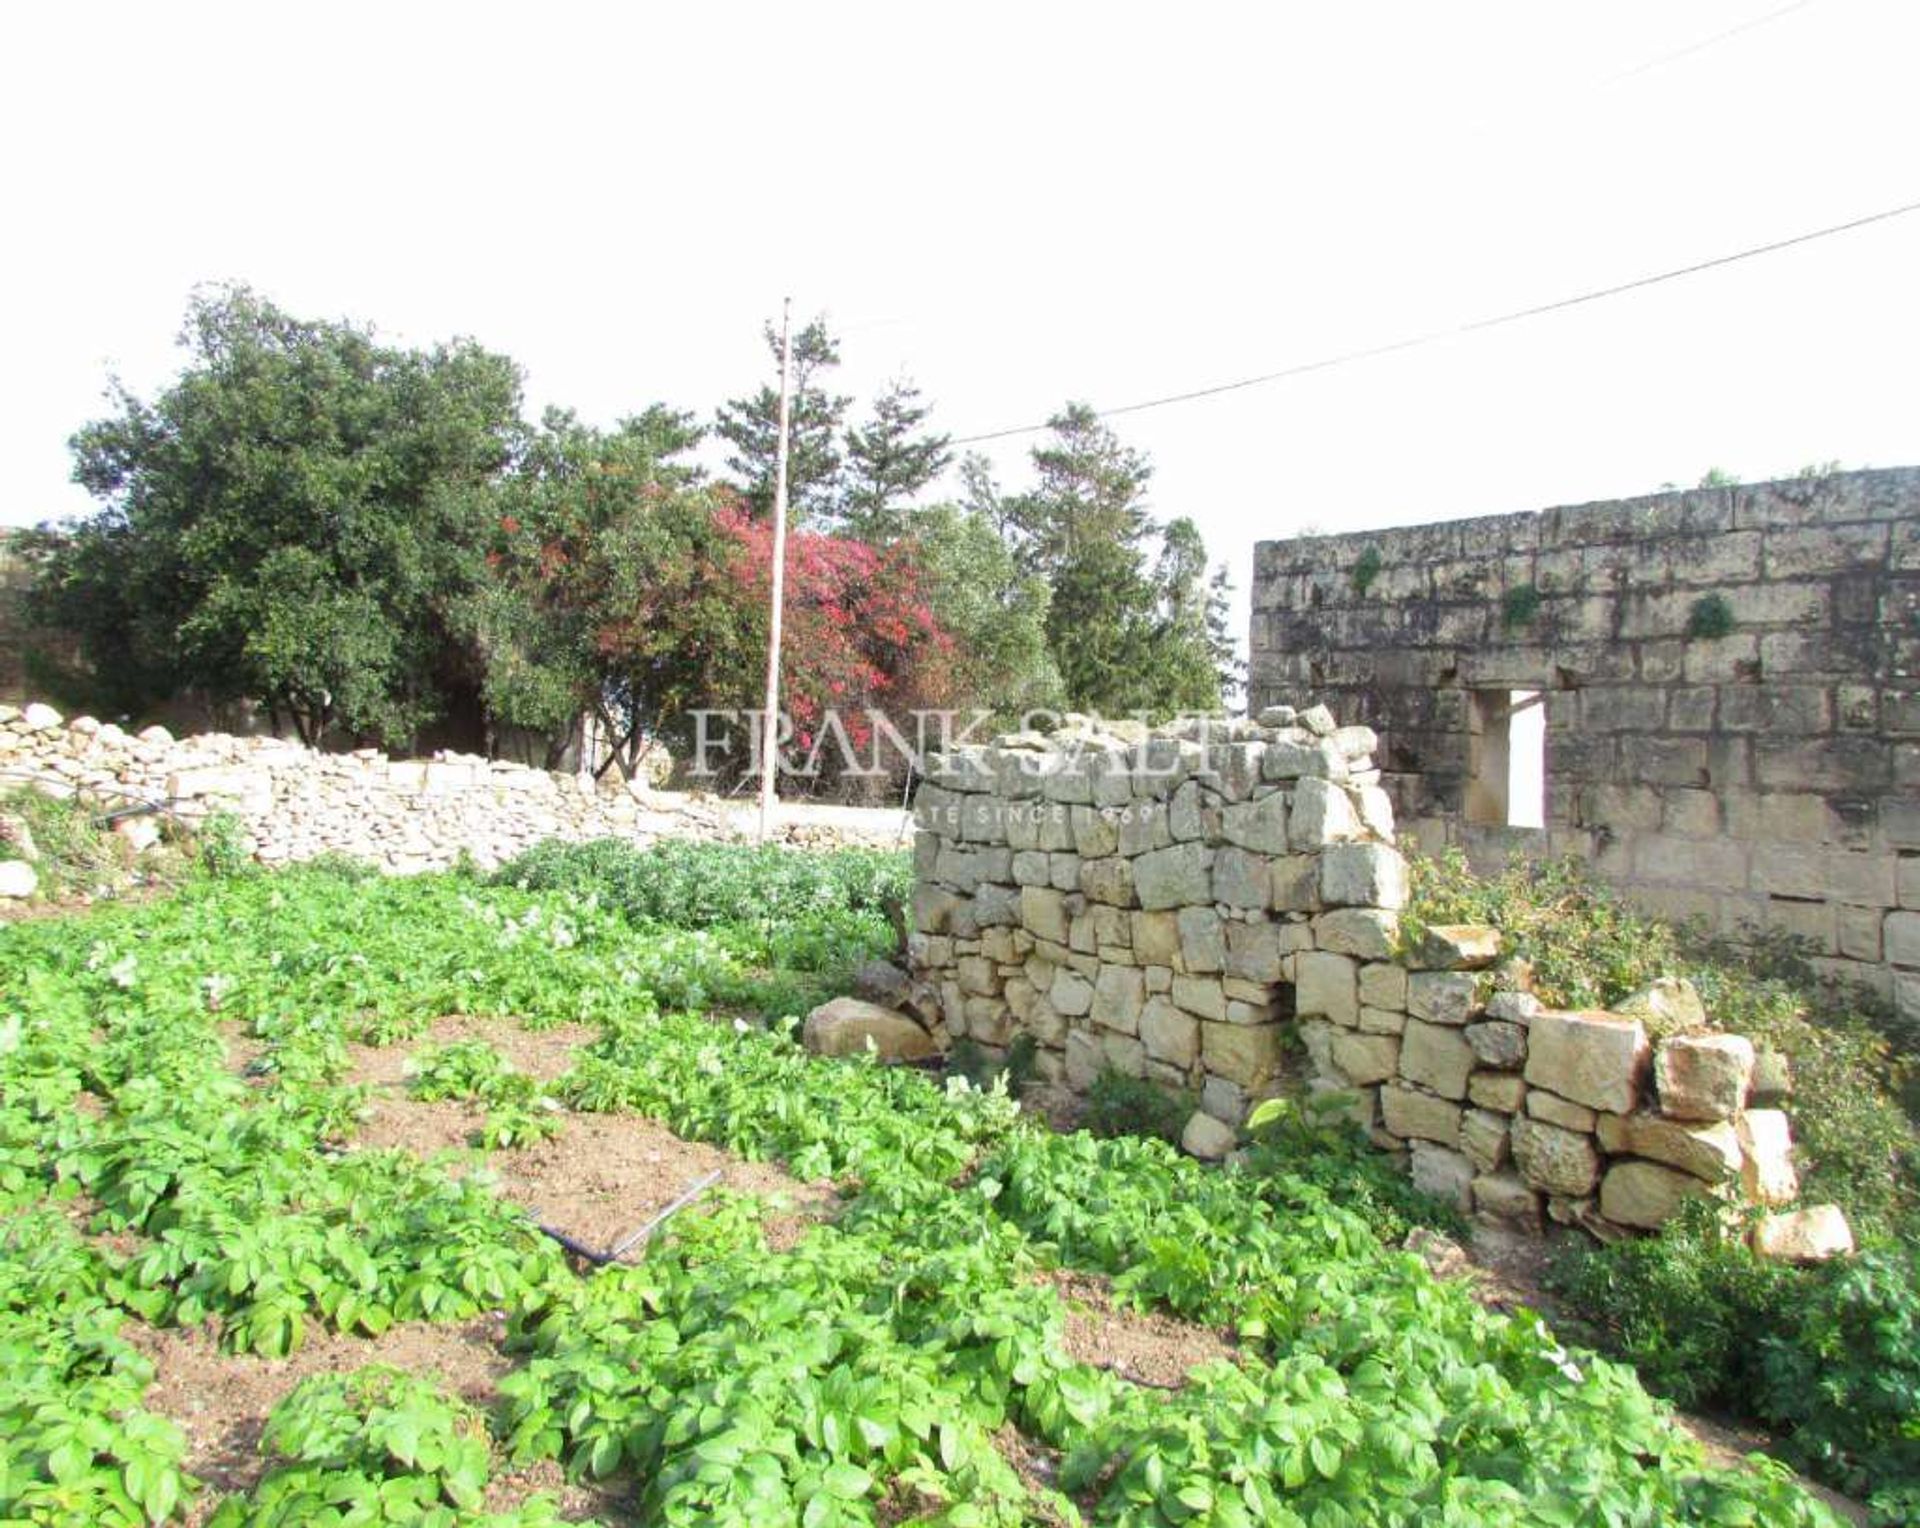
(1215, 907)
(1732, 694)
(294, 803)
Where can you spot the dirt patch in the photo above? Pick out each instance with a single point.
(221, 1400)
(243, 1049)
(606, 1175)
(579, 1503)
(1146, 1347)
(544, 1054)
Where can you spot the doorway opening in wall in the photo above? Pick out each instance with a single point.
(1507, 759)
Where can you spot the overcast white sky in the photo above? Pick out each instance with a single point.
(1018, 205)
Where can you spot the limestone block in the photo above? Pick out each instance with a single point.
(849, 1027)
(1123, 1053)
(1375, 807)
(1367, 932)
(1145, 825)
(18, 879)
(1667, 1005)
(40, 717)
(1322, 813)
(1514, 1007)
(1257, 825)
(1223, 1099)
(1063, 871)
(1156, 938)
(1559, 1161)
(1044, 911)
(1255, 950)
(1811, 1235)
(1506, 1196)
(1084, 1059)
(1046, 1023)
(1326, 985)
(1286, 760)
(1765, 1155)
(934, 908)
(1185, 817)
(1029, 868)
(1444, 1173)
(1484, 1136)
(1498, 1045)
(989, 1021)
(1316, 719)
(1174, 877)
(1247, 1054)
(1382, 1021)
(1071, 993)
(1703, 1077)
(1207, 1138)
(1497, 1090)
(1365, 1058)
(1594, 1059)
(1442, 997)
(1645, 1194)
(1203, 939)
(1383, 985)
(1455, 947)
(1436, 1057)
(1169, 1034)
(1241, 878)
(1556, 1110)
(1296, 883)
(1119, 993)
(996, 906)
(1159, 978)
(1363, 875)
(1108, 880)
(1413, 1115)
(1200, 995)
(1710, 1152)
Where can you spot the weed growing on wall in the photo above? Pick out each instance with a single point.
(1366, 569)
(1518, 606)
(1709, 617)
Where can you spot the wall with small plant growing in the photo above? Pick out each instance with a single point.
(1732, 683)
(1215, 908)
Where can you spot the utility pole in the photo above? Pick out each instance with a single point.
(769, 764)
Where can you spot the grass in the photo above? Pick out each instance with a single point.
(871, 1372)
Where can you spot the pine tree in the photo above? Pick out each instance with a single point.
(752, 427)
(889, 462)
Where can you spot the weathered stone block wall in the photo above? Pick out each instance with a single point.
(296, 804)
(1766, 777)
(1199, 904)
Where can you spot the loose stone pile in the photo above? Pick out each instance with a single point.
(1176, 904)
(294, 803)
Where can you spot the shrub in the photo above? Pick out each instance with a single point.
(1588, 949)
(1121, 1105)
(1829, 1355)
(1709, 617)
(1519, 605)
(1366, 569)
(1311, 1140)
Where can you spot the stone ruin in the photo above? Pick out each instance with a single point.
(1215, 906)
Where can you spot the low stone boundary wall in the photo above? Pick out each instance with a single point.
(1215, 906)
(295, 803)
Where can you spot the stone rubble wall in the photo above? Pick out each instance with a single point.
(1767, 776)
(294, 803)
(1215, 906)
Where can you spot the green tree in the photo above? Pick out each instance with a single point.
(751, 426)
(590, 528)
(890, 461)
(280, 524)
(1130, 623)
(995, 610)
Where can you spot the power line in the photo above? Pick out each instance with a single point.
(1704, 43)
(1348, 357)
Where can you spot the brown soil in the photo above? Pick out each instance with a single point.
(221, 1400)
(544, 1053)
(1146, 1347)
(603, 1177)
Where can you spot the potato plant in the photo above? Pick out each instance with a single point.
(870, 1372)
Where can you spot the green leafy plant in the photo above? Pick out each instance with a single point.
(1366, 568)
(1312, 1139)
(225, 849)
(1117, 1104)
(1518, 606)
(1709, 617)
